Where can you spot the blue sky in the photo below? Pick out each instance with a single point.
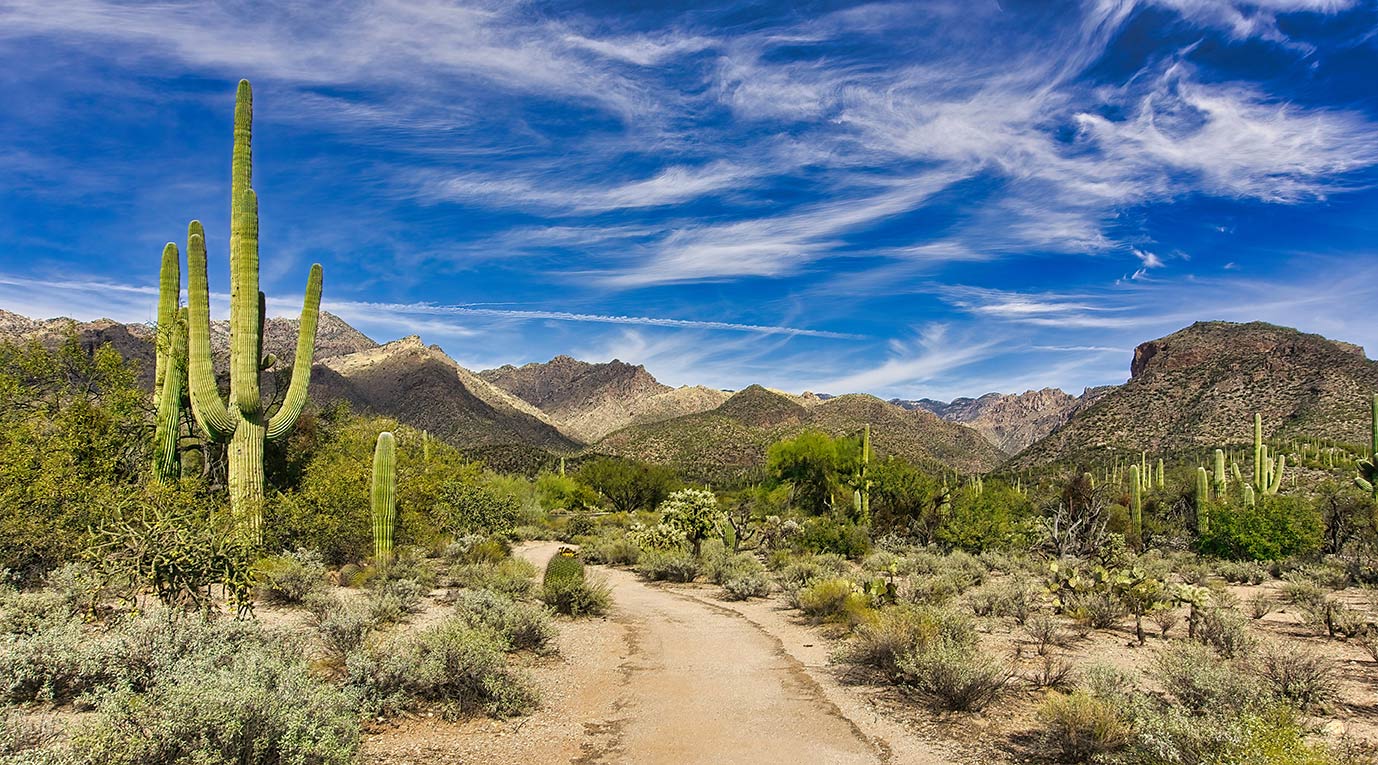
(909, 199)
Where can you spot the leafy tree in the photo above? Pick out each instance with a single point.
(469, 506)
(628, 486)
(904, 499)
(564, 492)
(75, 438)
(694, 512)
(812, 463)
(1274, 527)
(993, 518)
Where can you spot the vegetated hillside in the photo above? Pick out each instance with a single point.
(588, 401)
(1010, 421)
(1199, 388)
(424, 388)
(730, 442)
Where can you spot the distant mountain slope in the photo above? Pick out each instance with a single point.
(731, 440)
(588, 401)
(1200, 386)
(1011, 422)
(424, 388)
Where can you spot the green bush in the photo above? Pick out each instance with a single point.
(1301, 677)
(523, 625)
(897, 630)
(1080, 727)
(668, 566)
(290, 578)
(577, 597)
(1273, 528)
(513, 576)
(395, 600)
(257, 707)
(451, 665)
(1201, 681)
(953, 676)
(342, 624)
(839, 536)
(829, 598)
(610, 548)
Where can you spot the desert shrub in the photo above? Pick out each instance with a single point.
(410, 563)
(827, 598)
(933, 590)
(1243, 572)
(465, 505)
(1080, 726)
(610, 549)
(671, 566)
(261, 706)
(1165, 616)
(1297, 590)
(24, 613)
(1261, 604)
(22, 737)
(1201, 680)
(577, 597)
(451, 664)
(1302, 677)
(1098, 609)
(476, 548)
(894, 631)
(393, 601)
(1330, 574)
(835, 535)
(1051, 671)
(523, 625)
(1225, 630)
(78, 584)
(1329, 617)
(513, 576)
(952, 676)
(1275, 527)
(746, 585)
(1271, 734)
(291, 577)
(341, 623)
(795, 571)
(1047, 632)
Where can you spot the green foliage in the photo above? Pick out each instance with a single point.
(994, 518)
(830, 598)
(75, 444)
(953, 676)
(694, 513)
(1080, 727)
(833, 534)
(524, 626)
(290, 578)
(1272, 528)
(577, 597)
(668, 566)
(451, 665)
(812, 463)
(565, 492)
(628, 486)
(897, 630)
(466, 506)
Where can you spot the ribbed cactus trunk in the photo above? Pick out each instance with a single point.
(242, 421)
(383, 497)
(1267, 470)
(1203, 511)
(1136, 502)
(864, 487)
(169, 381)
(1367, 478)
(1221, 481)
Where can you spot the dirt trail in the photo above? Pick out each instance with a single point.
(675, 677)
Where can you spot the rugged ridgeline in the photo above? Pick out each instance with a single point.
(1010, 421)
(589, 401)
(730, 442)
(1199, 388)
(421, 386)
(418, 385)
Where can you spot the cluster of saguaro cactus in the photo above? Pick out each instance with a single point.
(1367, 479)
(383, 497)
(169, 382)
(242, 421)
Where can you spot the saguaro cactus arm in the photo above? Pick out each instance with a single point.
(170, 373)
(210, 410)
(286, 417)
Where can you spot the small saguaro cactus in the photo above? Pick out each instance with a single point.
(1162, 482)
(169, 381)
(1203, 496)
(242, 421)
(1222, 483)
(1267, 471)
(864, 482)
(383, 497)
(1136, 501)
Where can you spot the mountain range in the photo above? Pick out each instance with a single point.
(1197, 387)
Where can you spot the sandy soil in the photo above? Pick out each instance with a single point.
(673, 676)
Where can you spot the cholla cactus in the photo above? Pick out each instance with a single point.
(242, 421)
(383, 497)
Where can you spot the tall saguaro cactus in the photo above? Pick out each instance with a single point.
(1203, 508)
(1136, 501)
(383, 497)
(1367, 479)
(863, 492)
(242, 420)
(1267, 471)
(169, 382)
